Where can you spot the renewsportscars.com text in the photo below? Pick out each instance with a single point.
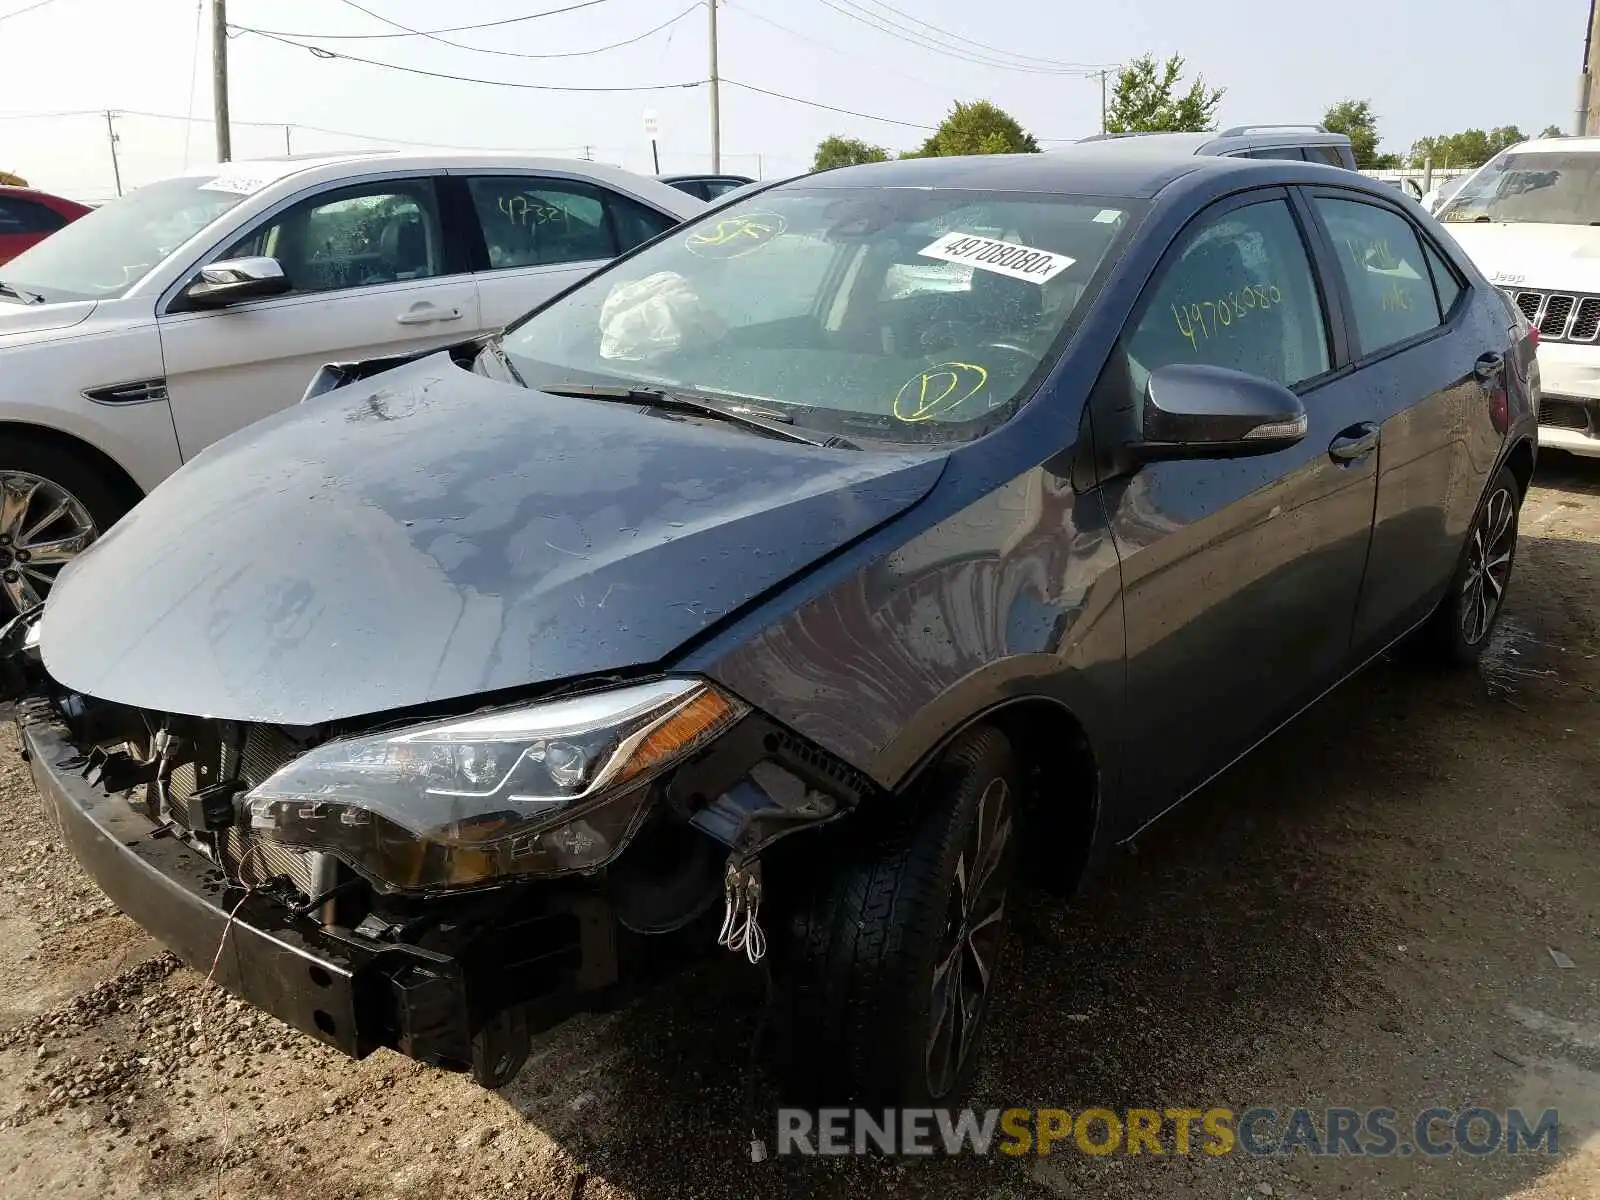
(1260, 1132)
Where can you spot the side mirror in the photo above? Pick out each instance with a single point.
(228, 282)
(1196, 411)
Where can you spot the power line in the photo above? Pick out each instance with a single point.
(745, 10)
(66, 112)
(655, 29)
(409, 32)
(899, 32)
(370, 137)
(849, 112)
(324, 52)
(970, 41)
(28, 9)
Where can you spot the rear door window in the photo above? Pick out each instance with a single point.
(1389, 280)
(532, 222)
(1324, 154)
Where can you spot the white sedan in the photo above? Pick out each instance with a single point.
(162, 321)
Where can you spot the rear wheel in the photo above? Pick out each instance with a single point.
(1459, 629)
(53, 504)
(888, 966)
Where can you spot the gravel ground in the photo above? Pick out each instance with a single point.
(1362, 914)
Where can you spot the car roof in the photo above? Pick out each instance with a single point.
(685, 178)
(1094, 169)
(358, 163)
(33, 193)
(1236, 138)
(1561, 145)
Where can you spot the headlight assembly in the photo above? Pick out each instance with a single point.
(539, 789)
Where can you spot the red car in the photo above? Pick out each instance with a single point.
(27, 216)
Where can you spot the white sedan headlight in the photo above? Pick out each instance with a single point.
(538, 789)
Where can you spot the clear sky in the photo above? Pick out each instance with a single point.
(1427, 66)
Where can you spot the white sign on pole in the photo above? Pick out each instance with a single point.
(652, 124)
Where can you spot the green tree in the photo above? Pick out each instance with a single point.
(837, 151)
(1356, 120)
(1145, 99)
(1550, 131)
(977, 127)
(1469, 148)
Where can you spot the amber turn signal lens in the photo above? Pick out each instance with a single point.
(699, 720)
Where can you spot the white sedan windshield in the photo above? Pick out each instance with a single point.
(909, 314)
(105, 252)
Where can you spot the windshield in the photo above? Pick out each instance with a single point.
(1555, 189)
(893, 313)
(105, 252)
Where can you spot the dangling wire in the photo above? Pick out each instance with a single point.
(742, 907)
(249, 890)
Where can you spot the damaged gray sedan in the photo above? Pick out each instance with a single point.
(760, 591)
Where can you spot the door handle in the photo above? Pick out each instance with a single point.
(1354, 443)
(1489, 367)
(427, 315)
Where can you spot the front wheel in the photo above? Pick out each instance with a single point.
(1459, 629)
(53, 504)
(886, 972)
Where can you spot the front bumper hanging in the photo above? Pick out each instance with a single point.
(549, 952)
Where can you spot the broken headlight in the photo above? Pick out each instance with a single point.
(539, 789)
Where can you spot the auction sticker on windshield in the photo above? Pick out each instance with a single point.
(1003, 258)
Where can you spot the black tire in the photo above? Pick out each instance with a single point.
(104, 498)
(859, 970)
(1460, 628)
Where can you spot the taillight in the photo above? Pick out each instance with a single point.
(1499, 414)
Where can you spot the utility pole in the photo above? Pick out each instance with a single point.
(716, 97)
(111, 136)
(1586, 117)
(287, 148)
(1102, 99)
(219, 78)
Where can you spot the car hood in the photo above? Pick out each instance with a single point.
(1517, 254)
(431, 534)
(17, 320)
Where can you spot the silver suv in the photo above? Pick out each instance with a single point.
(1311, 142)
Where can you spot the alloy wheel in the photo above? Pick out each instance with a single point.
(964, 963)
(1489, 553)
(42, 528)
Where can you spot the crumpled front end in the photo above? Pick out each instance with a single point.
(443, 886)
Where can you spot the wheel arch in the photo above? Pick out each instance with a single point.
(1520, 462)
(115, 473)
(1062, 778)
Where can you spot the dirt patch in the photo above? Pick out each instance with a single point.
(1362, 914)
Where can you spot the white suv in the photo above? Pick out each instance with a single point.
(1528, 218)
(160, 322)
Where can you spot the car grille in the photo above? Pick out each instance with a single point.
(1559, 316)
(264, 750)
(1563, 414)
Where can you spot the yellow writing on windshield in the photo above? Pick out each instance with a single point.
(1205, 319)
(938, 390)
(731, 237)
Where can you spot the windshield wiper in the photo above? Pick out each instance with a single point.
(773, 424)
(23, 294)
